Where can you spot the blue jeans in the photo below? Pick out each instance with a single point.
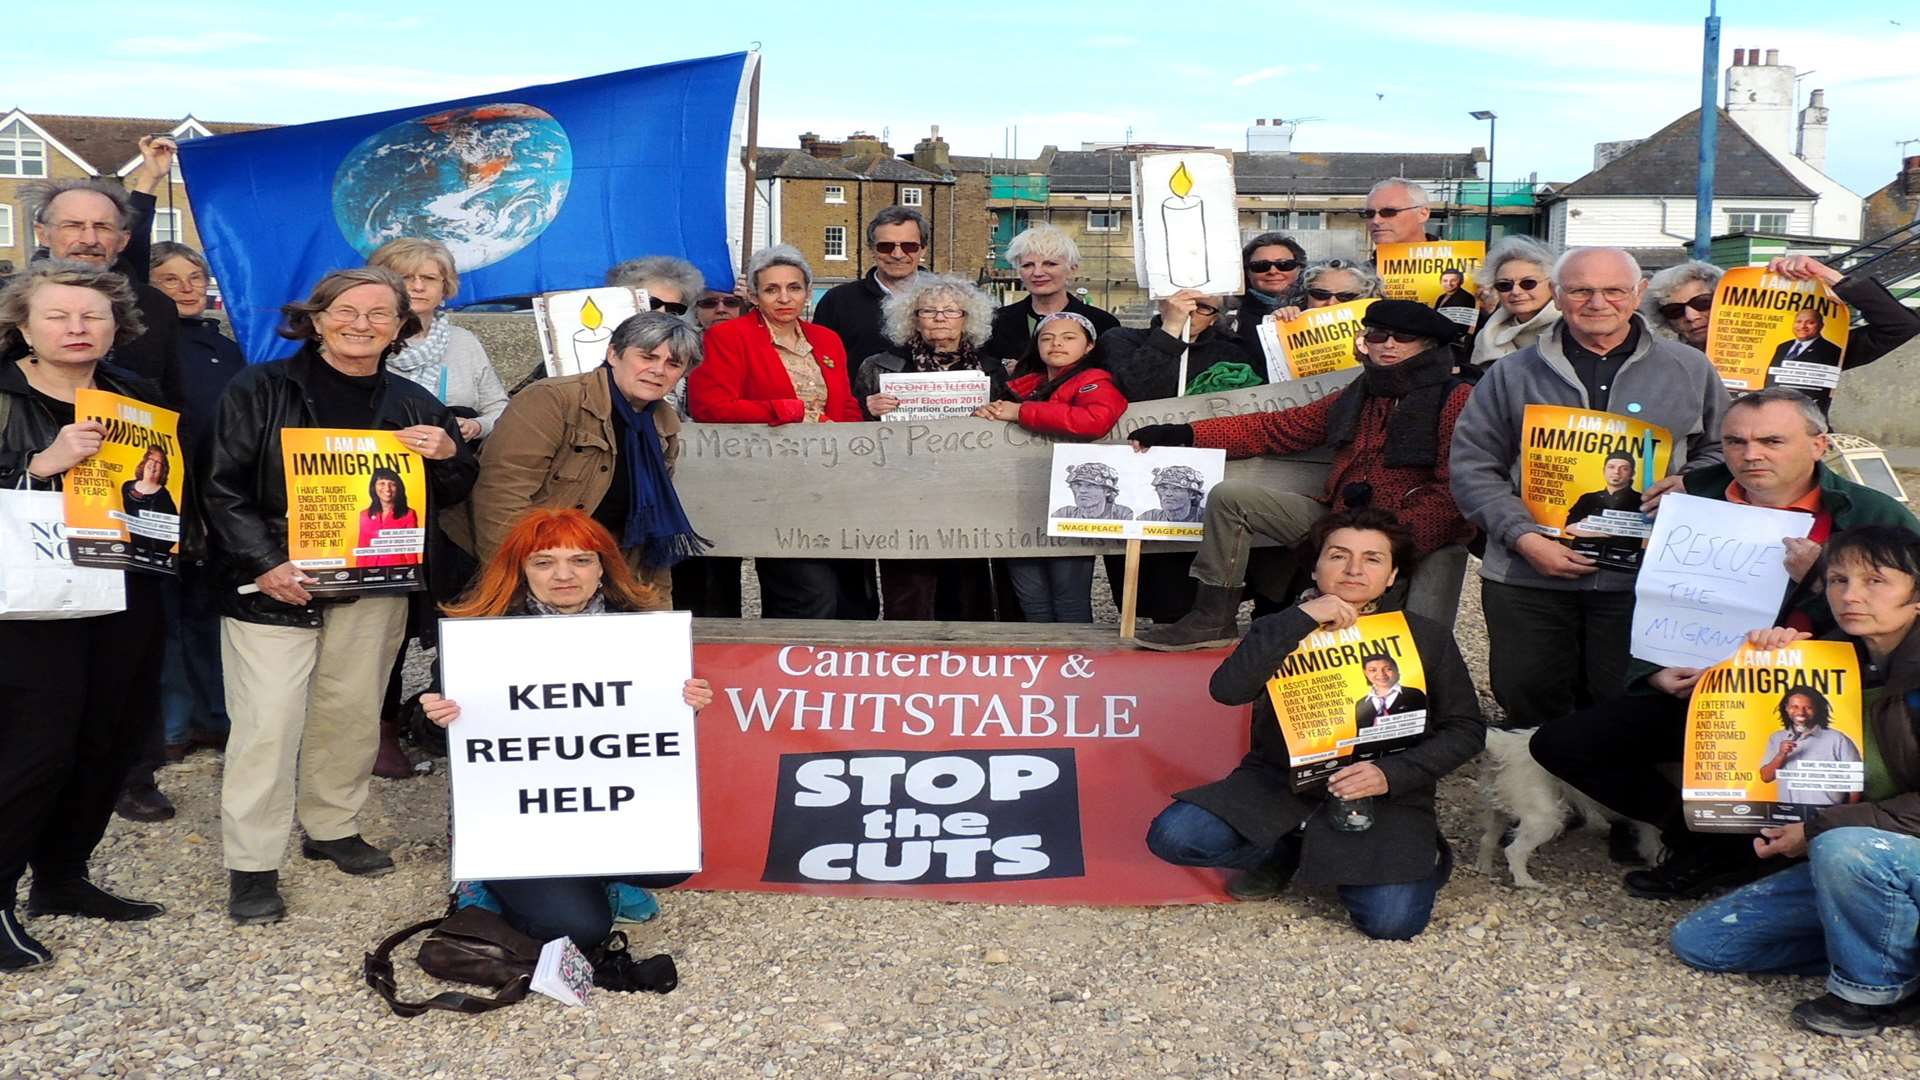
(1054, 590)
(1850, 912)
(193, 696)
(1186, 835)
(549, 908)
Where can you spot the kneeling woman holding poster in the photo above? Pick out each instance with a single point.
(560, 562)
(1849, 911)
(1358, 714)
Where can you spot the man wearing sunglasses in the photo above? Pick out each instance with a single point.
(1389, 430)
(1397, 212)
(895, 239)
(1557, 622)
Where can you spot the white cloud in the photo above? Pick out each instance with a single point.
(166, 45)
(1262, 75)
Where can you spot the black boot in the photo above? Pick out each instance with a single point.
(81, 897)
(144, 803)
(18, 950)
(1691, 874)
(351, 854)
(253, 897)
(1213, 622)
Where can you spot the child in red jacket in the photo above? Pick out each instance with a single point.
(1060, 388)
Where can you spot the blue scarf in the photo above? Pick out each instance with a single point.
(655, 522)
(1270, 301)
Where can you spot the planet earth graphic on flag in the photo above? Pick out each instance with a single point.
(485, 180)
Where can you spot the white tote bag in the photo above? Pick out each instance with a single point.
(37, 578)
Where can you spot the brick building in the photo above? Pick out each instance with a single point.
(41, 146)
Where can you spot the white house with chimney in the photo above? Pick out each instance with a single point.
(1767, 174)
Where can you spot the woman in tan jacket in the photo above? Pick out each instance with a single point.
(597, 442)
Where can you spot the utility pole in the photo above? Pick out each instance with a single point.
(1709, 133)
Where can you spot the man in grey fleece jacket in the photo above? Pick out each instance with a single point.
(1557, 623)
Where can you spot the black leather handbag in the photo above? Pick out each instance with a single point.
(472, 945)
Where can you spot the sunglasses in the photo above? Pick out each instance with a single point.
(708, 303)
(1261, 266)
(907, 247)
(1379, 337)
(1702, 304)
(667, 306)
(1386, 212)
(1329, 294)
(1526, 284)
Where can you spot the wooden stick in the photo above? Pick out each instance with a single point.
(1130, 589)
(749, 162)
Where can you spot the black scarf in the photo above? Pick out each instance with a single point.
(1421, 383)
(922, 357)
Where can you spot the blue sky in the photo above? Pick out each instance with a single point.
(1381, 77)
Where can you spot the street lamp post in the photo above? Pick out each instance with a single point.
(1489, 117)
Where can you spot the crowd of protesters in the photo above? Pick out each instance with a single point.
(561, 499)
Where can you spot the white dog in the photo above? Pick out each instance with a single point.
(1515, 787)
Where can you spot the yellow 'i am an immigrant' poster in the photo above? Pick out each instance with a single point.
(356, 509)
(1321, 340)
(1773, 735)
(1437, 273)
(1349, 695)
(1769, 330)
(122, 505)
(1582, 475)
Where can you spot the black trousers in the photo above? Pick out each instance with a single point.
(78, 698)
(548, 908)
(1553, 652)
(951, 590)
(1166, 590)
(1615, 753)
(817, 589)
(708, 586)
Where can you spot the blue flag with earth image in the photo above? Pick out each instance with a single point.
(533, 190)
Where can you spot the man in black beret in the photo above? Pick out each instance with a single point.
(1389, 430)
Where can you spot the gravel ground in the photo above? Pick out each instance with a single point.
(1573, 980)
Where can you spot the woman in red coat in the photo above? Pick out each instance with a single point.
(1061, 388)
(773, 367)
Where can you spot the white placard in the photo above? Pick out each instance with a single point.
(576, 325)
(1186, 226)
(574, 751)
(935, 395)
(1117, 492)
(1713, 570)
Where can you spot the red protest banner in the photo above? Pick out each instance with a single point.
(1023, 774)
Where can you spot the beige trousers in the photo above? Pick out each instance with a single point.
(306, 700)
(1237, 510)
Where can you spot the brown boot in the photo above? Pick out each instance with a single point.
(393, 763)
(1213, 622)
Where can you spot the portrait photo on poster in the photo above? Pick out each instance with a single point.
(576, 325)
(1122, 493)
(1186, 224)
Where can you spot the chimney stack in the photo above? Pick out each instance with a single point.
(1813, 131)
(1773, 57)
(1760, 99)
(931, 153)
(1910, 176)
(1739, 58)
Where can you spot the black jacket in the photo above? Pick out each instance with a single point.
(246, 491)
(852, 310)
(1011, 326)
(1146, 363)
(866, 378)
(31, 428)
(1246, 323)
(1257, 797)
(208, 360)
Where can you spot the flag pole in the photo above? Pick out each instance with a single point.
(750, 156)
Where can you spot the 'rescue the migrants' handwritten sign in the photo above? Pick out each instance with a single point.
(1713, 571)
(122, 505)
(574, 752)
(1349, 695)
(1772, 736)
(356, 507)
(1583, 473)
(1770, 330)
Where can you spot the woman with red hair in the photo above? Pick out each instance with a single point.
(561, 562)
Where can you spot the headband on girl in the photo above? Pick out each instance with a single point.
(1085, 323)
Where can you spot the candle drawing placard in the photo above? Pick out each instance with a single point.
(1187, 231)
(576, 325)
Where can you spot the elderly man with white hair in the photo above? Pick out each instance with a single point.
(1558, 622)
(1047, 260)
(1397, 212)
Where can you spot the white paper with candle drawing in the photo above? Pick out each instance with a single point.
(1187, 231)
(576, 325)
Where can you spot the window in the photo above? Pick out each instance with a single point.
(835, 193)
(166, 225)
(6, 226)
(1758, 220)
(22, 153)
(909, 196)
(836, 242)
(1289, 220)
(1103, 221)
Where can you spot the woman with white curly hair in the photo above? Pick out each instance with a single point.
(936, 324)
(1678, 304)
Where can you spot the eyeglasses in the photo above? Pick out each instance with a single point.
(667, 306)
(1525, 284)
(347, 316)
(708, 303)
(1329, 294)
(1261, 266)
(1387, 211)
(907, 247)
(1379, 337)
(942, 314)
(1702, 304)
(1610, 295)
